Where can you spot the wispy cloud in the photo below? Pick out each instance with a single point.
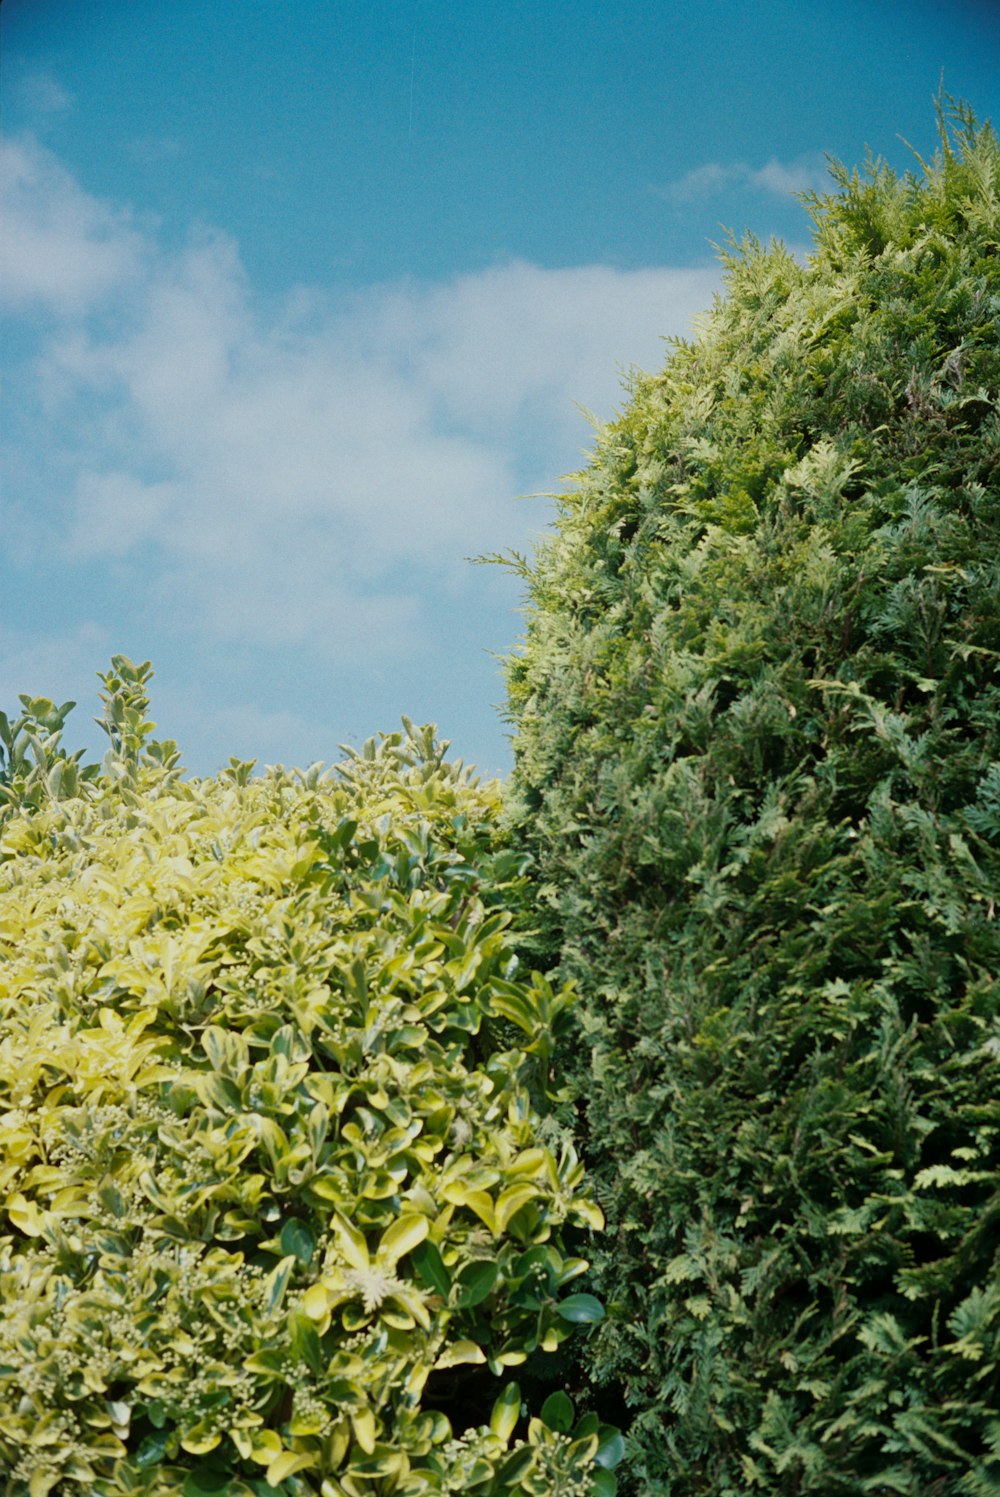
(782, 178)
(305, 474)
(40, 94)
(61, 249)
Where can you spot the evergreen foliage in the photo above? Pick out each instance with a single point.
(758, 768)
(280, 1188)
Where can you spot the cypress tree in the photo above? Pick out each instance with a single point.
(757, 715)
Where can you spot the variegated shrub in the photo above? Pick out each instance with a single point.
(275, 1157)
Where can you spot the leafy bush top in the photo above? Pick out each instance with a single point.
(758, 764)
(273, 1156)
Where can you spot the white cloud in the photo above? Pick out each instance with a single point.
(62, 249)
(313, 473)
(518, 340)
(785, 178)
(805, 174)
(703, 182)
(116, 511)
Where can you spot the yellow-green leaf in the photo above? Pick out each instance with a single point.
(25, 1216)
(509, 1203)
(200, 1444)
(589, 1212)
(401, 1237)
(267, 1447)
(363, 1422)
(458, 1353)
(286, 1463)
(350, 1241)
(506, 1412)
(315, 1301)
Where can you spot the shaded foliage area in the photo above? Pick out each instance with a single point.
(758, 769)
(278, 1153)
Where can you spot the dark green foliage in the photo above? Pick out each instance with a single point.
(758, 766)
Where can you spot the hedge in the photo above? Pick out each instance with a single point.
(757, 714)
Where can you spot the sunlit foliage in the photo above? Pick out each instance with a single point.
(277, 1154)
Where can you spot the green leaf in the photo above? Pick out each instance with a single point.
(475, 1283)
(297, 1239)
(430, 1266)
(581, 1309)
(517, 1464)
(205, 1482)
(306, 1343)
(276, 1282)
(557, 1412)
(610, 1448)
(153, 1448)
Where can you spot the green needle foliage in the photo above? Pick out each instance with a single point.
(282, 1199)
(758, 768)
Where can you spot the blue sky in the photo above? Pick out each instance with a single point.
(299, 296)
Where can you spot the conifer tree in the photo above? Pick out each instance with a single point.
(757, 716)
